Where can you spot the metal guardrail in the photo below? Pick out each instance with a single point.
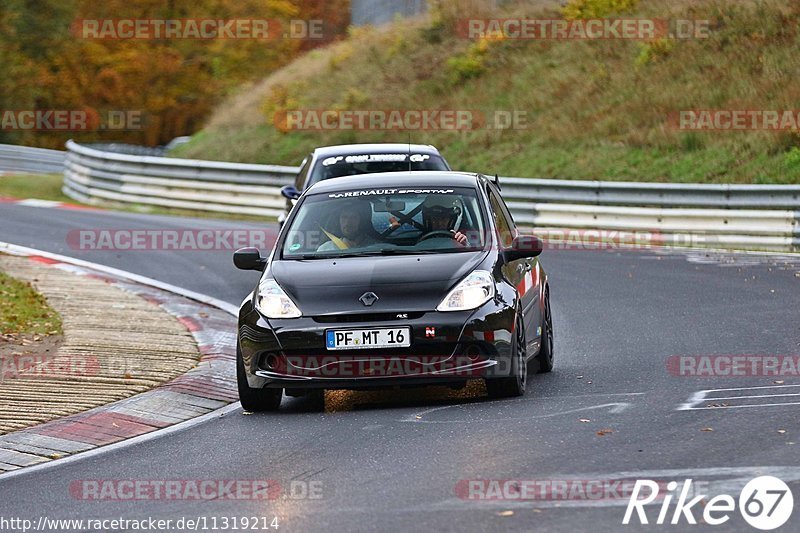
(654, 194)
(757, 217)
(25, 159)
(130, 149)
(376, 12)
(722, 216)
(92, 175)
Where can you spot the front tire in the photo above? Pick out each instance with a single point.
(255, 400)
(515, 384)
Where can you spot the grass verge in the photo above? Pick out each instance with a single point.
(23, 311)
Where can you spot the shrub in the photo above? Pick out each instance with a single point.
(654, 51)
(592, 9)
(792, 158)
(470, 64)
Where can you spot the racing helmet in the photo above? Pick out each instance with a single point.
(438, 206)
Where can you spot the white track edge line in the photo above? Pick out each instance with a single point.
(16, 249)
(139, 439)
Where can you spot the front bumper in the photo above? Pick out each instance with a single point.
(446, 348)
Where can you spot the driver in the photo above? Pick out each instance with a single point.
(354, 222)
(440, 213)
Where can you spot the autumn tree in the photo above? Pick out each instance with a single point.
(173, 83)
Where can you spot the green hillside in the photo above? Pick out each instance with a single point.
(594, 109)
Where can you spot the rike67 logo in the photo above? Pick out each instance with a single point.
(765, 503)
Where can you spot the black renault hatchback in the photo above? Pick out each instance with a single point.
(327, 162)
(422, 280)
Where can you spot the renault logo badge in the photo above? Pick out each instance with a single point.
(368, 298)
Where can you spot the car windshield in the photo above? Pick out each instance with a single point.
(354, 164)
(399, 221)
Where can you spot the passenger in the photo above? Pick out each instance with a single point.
(355, 225)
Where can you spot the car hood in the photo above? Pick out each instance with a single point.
(402, 283)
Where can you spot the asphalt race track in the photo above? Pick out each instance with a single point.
(392, 460)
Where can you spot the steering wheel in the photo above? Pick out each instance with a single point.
(439, 234)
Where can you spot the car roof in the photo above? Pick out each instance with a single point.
(416, 178)
(374, 148)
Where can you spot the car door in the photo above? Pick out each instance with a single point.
(522, 272)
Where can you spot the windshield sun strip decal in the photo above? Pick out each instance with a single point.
(375, 192)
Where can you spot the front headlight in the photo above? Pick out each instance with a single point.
(473, 291)
(272, 302)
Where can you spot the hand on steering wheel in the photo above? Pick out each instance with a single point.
(457, 236)
(439, 234)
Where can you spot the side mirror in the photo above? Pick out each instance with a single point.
(249, 259)
(523, 247)
(290, 192)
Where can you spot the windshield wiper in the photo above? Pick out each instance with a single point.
(367, 253)
(388, 251)
(376, 253)
(351, 254)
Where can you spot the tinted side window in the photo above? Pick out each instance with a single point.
(505, 226)
(504, 207)
(300, 180)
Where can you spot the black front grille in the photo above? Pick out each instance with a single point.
(418, 348)
(366, 317)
